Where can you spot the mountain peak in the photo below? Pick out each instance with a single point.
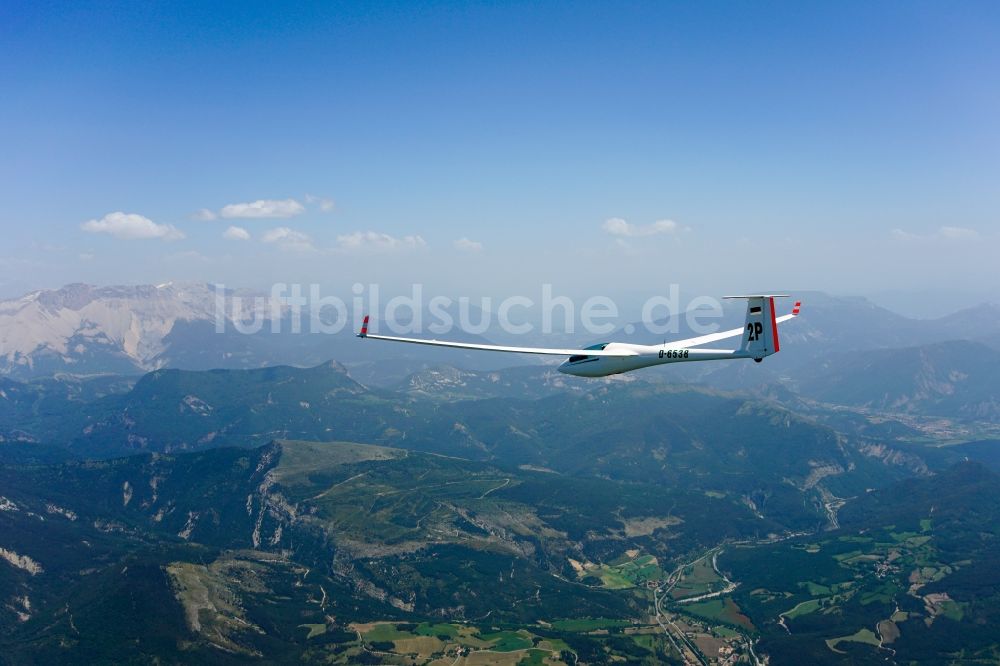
(117, 328)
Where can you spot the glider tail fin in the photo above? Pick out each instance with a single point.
(760, 332)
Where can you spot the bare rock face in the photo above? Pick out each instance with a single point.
(83, 328)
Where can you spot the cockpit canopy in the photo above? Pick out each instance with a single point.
(576, 358)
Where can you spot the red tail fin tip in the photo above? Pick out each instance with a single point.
(774, 328)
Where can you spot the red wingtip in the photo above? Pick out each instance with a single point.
(795, 310)
(364, 327)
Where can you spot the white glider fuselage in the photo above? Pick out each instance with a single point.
(643, 356)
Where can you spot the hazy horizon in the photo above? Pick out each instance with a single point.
(629, 304)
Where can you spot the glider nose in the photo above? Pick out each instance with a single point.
(590, 367)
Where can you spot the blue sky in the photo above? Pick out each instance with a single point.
(849, 147)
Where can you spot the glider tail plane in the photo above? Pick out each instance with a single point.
(760, 332)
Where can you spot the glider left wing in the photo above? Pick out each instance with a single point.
(497, 348)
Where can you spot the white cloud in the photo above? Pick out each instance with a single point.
(958, 233)
(616, 226)
(377, 242)
(943, 233)
(263, 208)
(288, 239)
(279, 234)
(203, 215)
(236, 233)
(130, 226)
(466, 245)
(324, 204)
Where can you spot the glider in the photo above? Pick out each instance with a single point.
(759, 339)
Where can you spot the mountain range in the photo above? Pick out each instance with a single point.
(83, 329)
